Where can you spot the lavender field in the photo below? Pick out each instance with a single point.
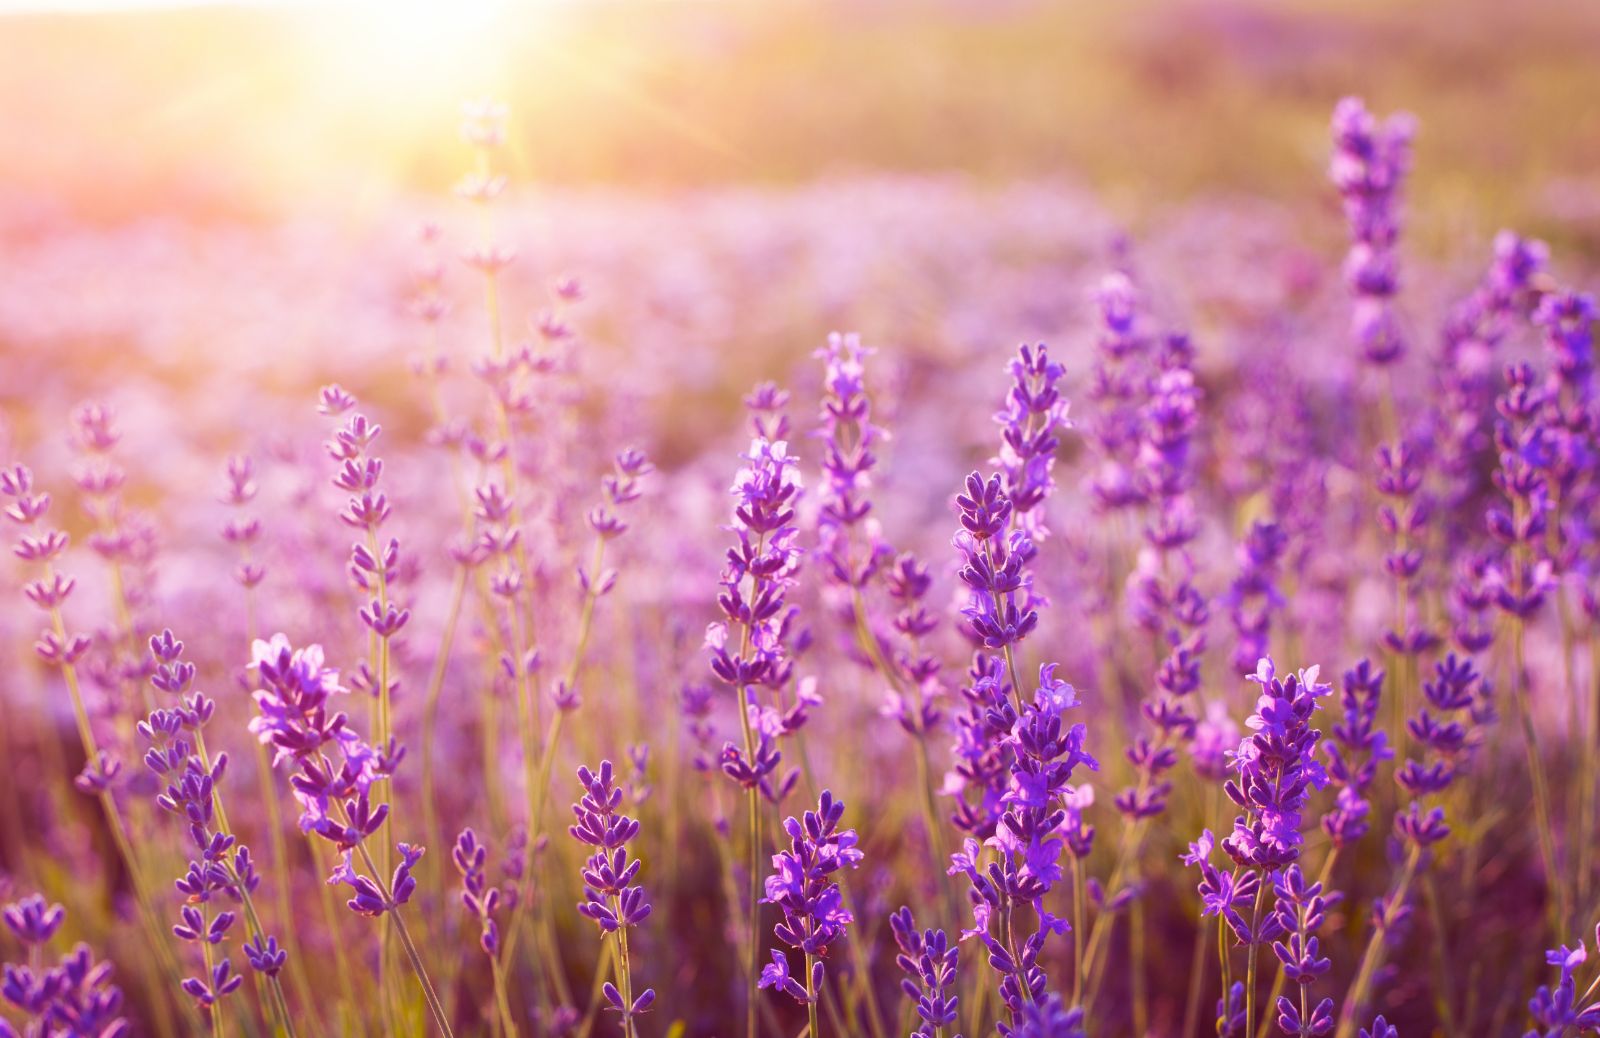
(542, 533)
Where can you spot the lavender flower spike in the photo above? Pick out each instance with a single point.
(611, 898)
(814, 913)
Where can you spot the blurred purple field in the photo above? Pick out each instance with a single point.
(829, 520)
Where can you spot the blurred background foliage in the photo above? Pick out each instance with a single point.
(245, 111)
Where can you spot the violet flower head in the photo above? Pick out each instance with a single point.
(621, 487)
(612, 899)
(1031, 421)
(1446, 729)
(907, 581)
(999, 607)
(1254, 595)
(765, 404)
(1528, 453)
(1163, 595)
(749, 649)
(483, 901)
(1047, 1018)
(848, 436)
(1567, 320)
(1369, 165)
(1561, 1010)
(1115, 390)
(1276, 769)
(1380, 1028)
(801, 885)
(1032, 831)
(928, 960)
(1222, 892)
(1354, 753)
(41, 546)
(73, 997)
(33, 919)
(221, 866)
(1299, 910)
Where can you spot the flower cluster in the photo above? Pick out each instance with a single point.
(1115, 392)
(1031, 833)
(74, 997)
(848, 435)
(611, 898)
(1164, 596)
(223, 865)
(760, 568)
(1254, 594)
(1457, 690)
(1562, 1010)
(812, 903)
(1276, 769)
(1031, 423)
(1354, 754)
(928, 960)
(294, 701)
(1369, 166)
(483, 901)
(1299, 910)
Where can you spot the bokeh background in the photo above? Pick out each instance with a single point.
(224, 187)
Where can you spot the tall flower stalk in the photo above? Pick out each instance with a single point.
(334, 775)
(812, 904)
(747, 649)
(611, 898)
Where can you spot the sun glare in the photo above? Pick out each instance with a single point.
(421, 50)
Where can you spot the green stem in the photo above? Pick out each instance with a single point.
(405, 939)
(1250, 968)
(1520, 695)
(1355, 999)
(811, 1002)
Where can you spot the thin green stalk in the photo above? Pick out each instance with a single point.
(1279, 980)
(330, 919)
(1590, 775)
(214, 1011)
(811, 1001)
(1355, 999)
(417, 967)
(1080, 915)
(1250, 968)
(1444, 1001)
(430, 709)
(1520, 695)
(1197, 970)
(252, 920)
(754, 959)
(1136, 952)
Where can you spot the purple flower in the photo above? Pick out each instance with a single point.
(1275, 769)
(611, 898)
(1034, 415)
(928, 960)
(760, 568)
(33, 919)
(814, 913)
(1115, 390)
(1354, 753)
(1369, 165)
(1561, 1010)
(477, 896)
(847, 436)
